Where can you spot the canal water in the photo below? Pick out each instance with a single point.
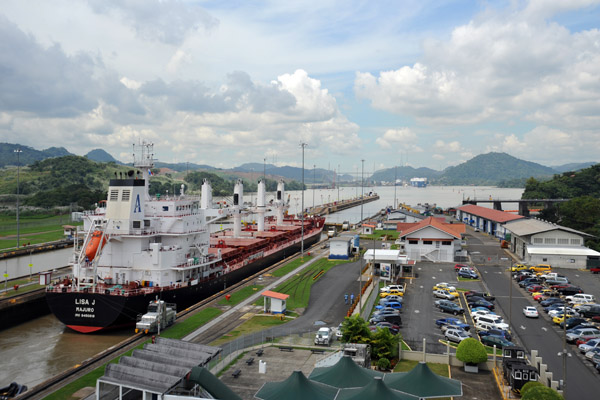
(37, 350)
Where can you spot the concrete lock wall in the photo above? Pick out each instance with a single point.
(18, 267)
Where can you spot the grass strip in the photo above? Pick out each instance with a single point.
(240, 295)
(286, 269)
(254, 324)
(407, 365)
(176, 331)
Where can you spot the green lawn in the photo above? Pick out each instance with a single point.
(286, 269)
(378, 235)
(176, 331)
(407, 365)
(32, 229)
(240, 295)
(254, 324)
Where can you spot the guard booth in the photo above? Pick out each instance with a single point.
(386, 263)
(275, 303)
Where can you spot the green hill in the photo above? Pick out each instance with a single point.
(493, 168)
(28, 155)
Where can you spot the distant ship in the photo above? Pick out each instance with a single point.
(418, 182)
(138, 248)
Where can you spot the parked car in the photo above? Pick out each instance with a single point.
(531, 312)
(496, 332)
(391, 293)
(457, 267)
(389, 299)
(481, 303)
(572, 322)
(468, 274)
(464, 327)
(541, 268)
(481, 312)
(485, 295)
(520, 267)
(579, 333)
(500, 342)
(389, 288)
(519, 276)
(447, 321)
(580, 298)
(394, 305)
(444, 294)
(591, 353)
(550, 301)
(557, 281)
(394, 319)
(456, 335)
(444, 285)
(452, 308)
(529, 281)
(534, 288)
(393, 328)
(591, 312)
(589, 345)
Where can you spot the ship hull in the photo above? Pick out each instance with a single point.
(94, 312)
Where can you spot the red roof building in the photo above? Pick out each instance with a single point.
(432, 239)
(486, 219)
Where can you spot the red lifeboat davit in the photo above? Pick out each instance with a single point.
(92, 247)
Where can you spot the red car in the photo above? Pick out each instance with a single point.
(457, 267)
(534, 288)
(584, 339)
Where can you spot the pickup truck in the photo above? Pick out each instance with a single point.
(159, 315)
(595, 270)
(324, 336)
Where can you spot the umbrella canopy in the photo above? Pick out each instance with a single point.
(344, 374)
(422, 382)
(375, 390)
(296, 387)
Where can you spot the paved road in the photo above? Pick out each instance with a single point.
(539, 334)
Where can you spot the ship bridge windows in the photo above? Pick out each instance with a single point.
(125, 195)
(114, 195)
(165, 208)
(146, 223)
(137, 224)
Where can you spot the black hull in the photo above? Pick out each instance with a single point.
(93, 312)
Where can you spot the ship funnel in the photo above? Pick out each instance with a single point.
(238, 193)
(280, 201)
(206, 200)
(260, 203)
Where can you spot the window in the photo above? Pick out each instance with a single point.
(575, 241)
(146, 223)
(125, 195)
(427, 242)
(114, 195)
(572, 260)
(544, 259)
(549, 241)
(413, 241)
(563, 241)
(518, 375)
(137, 224)
(538, 240)
(446, 243)
(165, 208)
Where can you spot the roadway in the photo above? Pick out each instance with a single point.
(539, 334)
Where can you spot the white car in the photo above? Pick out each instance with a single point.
(558, 311)
(531, 312)
(589, 345)
(443, 294)
(480, 313)
(444, 285)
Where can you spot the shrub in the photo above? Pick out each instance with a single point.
(471, 351)
(541, 393)
(383, 363)
(530, 385)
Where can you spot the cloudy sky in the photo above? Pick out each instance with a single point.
(418, 82)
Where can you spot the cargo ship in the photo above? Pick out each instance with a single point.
(138, 247)
(418, 182)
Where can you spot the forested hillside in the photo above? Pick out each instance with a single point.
(582, 212)
(74, 180)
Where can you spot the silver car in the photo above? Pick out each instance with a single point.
(456, 335)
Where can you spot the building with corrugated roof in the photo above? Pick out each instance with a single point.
(486, 219)
(540, 242)
(431, 239)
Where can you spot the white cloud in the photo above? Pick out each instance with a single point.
(447, 147)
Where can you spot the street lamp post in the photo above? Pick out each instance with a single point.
(314, 183)
(18, 151)
(395, 180)
(509, 290)
(338, 182)
(361, 226)
(303, 145)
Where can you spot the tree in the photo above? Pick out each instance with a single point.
(355, 330)
(530, 385)
(541, 393)
(384, 344)
(471, 351)
(383, 363)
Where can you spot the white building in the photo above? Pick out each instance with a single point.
(432, 239)
(340, 247)
(540, 242)
(486, 219)
(386, 263)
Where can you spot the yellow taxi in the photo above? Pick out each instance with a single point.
(444, 286)
(519, 267)
(541, 268)
(390, 293)
(558, 319)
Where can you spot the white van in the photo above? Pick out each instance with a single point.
(580, 298)
(485, 324)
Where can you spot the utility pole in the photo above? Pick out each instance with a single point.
(314, 183)
(303, 145)
(361, 226)
(338, 182)
(18, 151)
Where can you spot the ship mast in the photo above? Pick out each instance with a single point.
(145, 162)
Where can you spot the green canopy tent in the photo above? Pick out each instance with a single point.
(375, 390)
(423, 383)
(296, 387)
(344, 374)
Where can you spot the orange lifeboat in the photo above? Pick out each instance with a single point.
(92, 247)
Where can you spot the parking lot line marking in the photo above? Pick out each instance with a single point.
(522, 327)
(544, 329)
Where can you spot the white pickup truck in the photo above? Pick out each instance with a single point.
(159, 316)
(324, 336)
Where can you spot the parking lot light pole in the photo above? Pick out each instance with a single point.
(509, 290)
(18, 151)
